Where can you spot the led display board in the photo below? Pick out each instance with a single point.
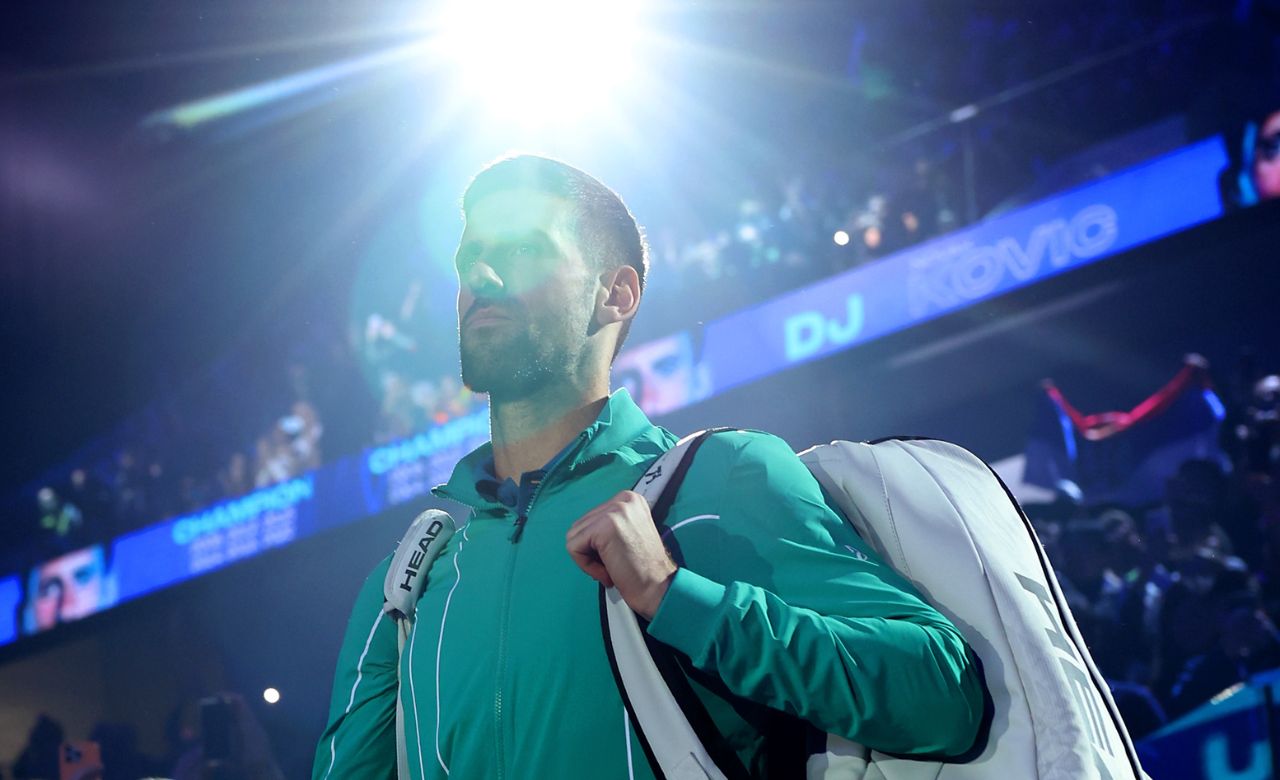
(964, 268)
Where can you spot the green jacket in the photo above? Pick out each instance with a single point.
(505, 672)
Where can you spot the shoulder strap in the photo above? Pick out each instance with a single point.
(423, 542)
(675, 730)
(427, 536)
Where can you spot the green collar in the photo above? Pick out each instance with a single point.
(621, 431)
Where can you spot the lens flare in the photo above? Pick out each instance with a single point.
(539, 63)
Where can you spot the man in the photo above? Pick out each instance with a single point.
(1265, 169)
(776, 601)
(663, 375)
(67, 588)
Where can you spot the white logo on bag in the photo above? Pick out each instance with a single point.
(859, 554)
(419, 555)
(1077, 678)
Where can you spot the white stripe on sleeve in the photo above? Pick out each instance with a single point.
(333, 747)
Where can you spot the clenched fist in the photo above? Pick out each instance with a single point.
(617, 544)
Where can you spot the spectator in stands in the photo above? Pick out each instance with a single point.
(58, 517)
(88, 494)
(425, 396)
(127, 488)
(398, 414)
(1257, 430)
(870, 225)
(1196, 501)
(1189, 621)
(1098, 596)
(39, 758)
(251, 756)
(304, 430)
(234, 479)
(273, 462)
(121, 758)
(161, 496)
(1245, 642)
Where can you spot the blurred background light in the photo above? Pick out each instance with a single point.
(841, 238)
(271, 696)
(539, 63)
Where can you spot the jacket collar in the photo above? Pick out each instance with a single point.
(621, 431)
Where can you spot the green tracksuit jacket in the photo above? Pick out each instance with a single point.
(505, 673)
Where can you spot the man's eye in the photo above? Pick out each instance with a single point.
(524, 250)
(667, 365)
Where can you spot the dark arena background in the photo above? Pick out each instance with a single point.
(1046, 231)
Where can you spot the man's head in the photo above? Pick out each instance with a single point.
(551, 267)
(1266, 158)
(663, 375)
(67, 588)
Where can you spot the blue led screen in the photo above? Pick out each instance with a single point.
(1020, 248)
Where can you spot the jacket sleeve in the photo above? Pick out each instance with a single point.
(790, 608)
(360, 739)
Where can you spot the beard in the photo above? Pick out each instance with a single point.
(516, 359)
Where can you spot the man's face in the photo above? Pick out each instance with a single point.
(525, 294)
(68, 588)
(1266, 161)
(659, 375)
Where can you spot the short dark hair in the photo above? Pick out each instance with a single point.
(606, 229)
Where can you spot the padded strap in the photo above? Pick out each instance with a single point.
(406, 578)
(426, 538)
(666, 712)
(402, 742)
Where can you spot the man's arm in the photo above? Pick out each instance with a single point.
(360, 739)
(786, 605)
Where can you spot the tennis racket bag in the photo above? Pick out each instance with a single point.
(941, 517)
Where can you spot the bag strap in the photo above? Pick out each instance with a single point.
(406, 577)
(402, 742)
(656, 692)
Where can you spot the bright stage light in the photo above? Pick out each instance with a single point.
(841, 238)
(271, 695)
(539, 63)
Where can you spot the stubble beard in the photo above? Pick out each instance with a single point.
(510, 362)
(503, 365)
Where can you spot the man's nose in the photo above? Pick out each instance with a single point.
(483, 281)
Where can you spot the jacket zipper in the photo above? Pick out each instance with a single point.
(504, 613)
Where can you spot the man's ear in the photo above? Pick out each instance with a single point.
(620, 295)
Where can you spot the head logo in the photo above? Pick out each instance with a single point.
(1093, 716)
(419, 555)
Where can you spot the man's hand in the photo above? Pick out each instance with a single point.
(617, 544)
